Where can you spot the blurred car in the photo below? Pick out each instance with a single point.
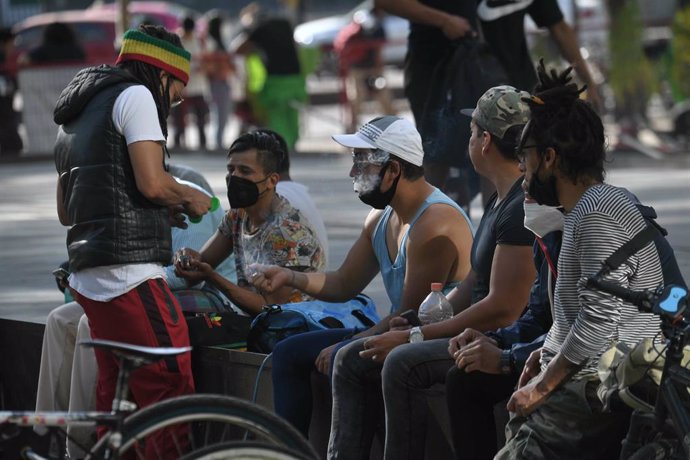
(94, 27)
(320, 33)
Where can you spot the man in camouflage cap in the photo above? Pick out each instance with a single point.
(493, 295)
(499, 109)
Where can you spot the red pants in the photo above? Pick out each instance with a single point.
(148, 315)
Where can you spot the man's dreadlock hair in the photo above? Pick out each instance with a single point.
(149, 75)
(561, 120)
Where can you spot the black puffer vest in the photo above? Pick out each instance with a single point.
(112, 222)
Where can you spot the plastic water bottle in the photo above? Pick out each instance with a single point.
(435, 307)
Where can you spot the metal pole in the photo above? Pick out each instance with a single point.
(122, 23)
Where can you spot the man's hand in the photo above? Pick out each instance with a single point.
(398, 323)
(531, 369)
(528, 398)
(176, 217)
(193, 271)
(269, 278)
(377, 347)
(469, 335)
(198, 203)
(323, 361)
(454, 27)
(480, 355)
(184, 256)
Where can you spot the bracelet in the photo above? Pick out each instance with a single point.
(506, 363)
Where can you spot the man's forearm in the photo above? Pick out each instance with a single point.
(564, 36)
(559, 371)
(322, 286)
(247, 300)
(414, 11)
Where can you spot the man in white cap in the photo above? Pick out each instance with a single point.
(415, 235)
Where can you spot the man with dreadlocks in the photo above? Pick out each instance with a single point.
(556, 411)
(116, 196)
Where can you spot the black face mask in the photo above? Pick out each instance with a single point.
(543, 192)
(243, 193)
(376, 198)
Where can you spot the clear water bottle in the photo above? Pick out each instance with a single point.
(435, 307)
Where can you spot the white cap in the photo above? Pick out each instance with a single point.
(391, 134)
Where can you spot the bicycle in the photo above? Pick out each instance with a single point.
(189, 427)
(664, 432)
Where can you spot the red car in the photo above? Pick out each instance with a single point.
(94, 27)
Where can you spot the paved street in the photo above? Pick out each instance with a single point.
(33, 243)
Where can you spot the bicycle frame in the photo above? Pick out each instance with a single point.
(58, 419)
(669, 403)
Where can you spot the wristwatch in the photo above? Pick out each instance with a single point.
(416, 335)
(507, 366)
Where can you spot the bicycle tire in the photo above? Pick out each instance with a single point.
(203, 420)
(243, 450)
(649, 451)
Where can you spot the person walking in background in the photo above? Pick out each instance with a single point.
(196, 91)
(10, 141)
(436, 26)
(109, 155)
(58, 44)
(278, 97)
(218, 66)
(358, 46)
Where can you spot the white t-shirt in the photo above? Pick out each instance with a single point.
(136, 118)
(298, 196)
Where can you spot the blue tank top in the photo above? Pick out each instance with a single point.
(393, 273)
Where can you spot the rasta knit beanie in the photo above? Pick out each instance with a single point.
(139, 46)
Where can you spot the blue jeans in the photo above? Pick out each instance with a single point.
(292, 364)
(408, 371)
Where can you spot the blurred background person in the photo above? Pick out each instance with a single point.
(358, 46)
(196, 91)
(219, 67)
(10, 141)
(283, 90)
(58, 44)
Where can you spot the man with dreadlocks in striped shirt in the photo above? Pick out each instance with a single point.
(117, 197)
(556, 412)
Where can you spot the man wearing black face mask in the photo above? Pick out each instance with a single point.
(261, 227)
(415, 235)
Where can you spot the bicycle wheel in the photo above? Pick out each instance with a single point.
(652, 451)
(243, 450)
(175, 427)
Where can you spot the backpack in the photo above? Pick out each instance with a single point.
(278, 322)
(458, 81)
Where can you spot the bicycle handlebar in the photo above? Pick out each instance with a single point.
(670, 301)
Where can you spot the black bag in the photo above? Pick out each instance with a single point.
(468, 70)
(226, 329)
(278, 322)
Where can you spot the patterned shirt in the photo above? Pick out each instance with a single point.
(286, 239)
(586, 322)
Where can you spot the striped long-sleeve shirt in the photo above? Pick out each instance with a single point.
(587, 322)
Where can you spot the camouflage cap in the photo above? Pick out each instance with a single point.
(499, 109)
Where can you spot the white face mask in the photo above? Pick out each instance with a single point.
(542, 220)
